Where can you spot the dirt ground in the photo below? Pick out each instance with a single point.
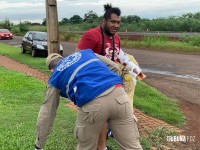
(191, 111)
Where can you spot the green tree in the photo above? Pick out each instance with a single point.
(64, 21)
(197, 15)
(6, 24)
(133, 19)
(90, 17)
(123, 19)
(188, 15)
(23, 27)
(44, 22)
(76, 19)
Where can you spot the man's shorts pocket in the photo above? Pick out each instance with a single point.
(123, 106)
(79, 133)
(91, 113)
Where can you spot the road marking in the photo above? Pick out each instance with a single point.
(188, 76)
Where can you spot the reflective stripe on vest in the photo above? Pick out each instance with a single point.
(76, 71)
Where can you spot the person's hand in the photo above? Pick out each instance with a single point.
(133, 68)
(141, 76)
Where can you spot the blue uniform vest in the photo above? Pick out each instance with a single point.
(86, 83)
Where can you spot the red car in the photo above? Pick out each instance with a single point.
(5, 34)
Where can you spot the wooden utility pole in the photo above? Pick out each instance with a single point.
(52, 27)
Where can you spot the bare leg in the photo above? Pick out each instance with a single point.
(102, 137)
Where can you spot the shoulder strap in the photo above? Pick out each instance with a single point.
(113, 42)
(102, 43)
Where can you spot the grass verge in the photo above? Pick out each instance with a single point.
(20, 100)
(167, 46)
(157, 105)
(147, 99)
(15, 53)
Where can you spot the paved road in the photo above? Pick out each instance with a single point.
(176, 75)
(16, 41)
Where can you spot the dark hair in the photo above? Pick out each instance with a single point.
(53, 63)
(110, 10)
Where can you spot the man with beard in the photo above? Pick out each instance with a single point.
(103, 40)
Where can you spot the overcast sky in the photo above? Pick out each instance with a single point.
(34, 10)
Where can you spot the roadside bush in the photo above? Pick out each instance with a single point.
(157, 138)
(6, 24)
(23, 28)
(195, 41)
(151, 39)
(38, 28)
(186, 38)
(68, 36)
(15, 30)
(129, 27)
(73, 37)
(87, 26)
(163, 38)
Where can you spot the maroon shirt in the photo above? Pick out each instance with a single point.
(93, 39)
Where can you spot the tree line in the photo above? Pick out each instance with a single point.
(189, 22)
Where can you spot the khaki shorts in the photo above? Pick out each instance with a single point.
(113, 108)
